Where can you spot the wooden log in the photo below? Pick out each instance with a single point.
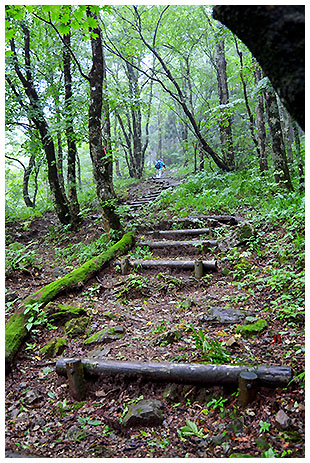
(198, 269)
(125, 266)
(75, 375)
(190, 373)
(248, 385)
(177, 264)
(15, 328)
(170, 243)
(171, 233)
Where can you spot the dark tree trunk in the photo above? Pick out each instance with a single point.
(59, 199)
(225, 118)
(275, 34)
(100, 147)
(281, 171)
(72, 149)
(260, 124)
(301, 174)
(246, 100)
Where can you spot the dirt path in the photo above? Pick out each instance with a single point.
(152, 314)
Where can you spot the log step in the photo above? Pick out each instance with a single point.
(189, 373)
(170, 243)
(178, 264)
(171, 233)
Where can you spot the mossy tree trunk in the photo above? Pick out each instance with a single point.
(15, 329)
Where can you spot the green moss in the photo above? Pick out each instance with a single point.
(76, 326)
(15, 332)
(54, 347)
(15, 329)
(61, 313)
(251, 329)
(106, 335)
(244, 232)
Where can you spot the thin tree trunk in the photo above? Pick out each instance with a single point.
(72, 149)
(260, 124)
(100, 142)
(281, 171)
(225, 119)
(301, 174)
(246, 100)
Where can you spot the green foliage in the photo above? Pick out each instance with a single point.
(191, 429)
(212, 350)
(18, 256)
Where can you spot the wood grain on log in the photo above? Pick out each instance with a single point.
(177, 264)
(170, 243)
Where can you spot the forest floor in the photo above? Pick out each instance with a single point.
(42, 418)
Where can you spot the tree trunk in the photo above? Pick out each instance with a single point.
(301, 174)
(246, 100)
(59, 199)
(281, 171)
(225, 118)
(100, 148)
(260, 124)
(72, 149)
(190, 373)
(15, 328)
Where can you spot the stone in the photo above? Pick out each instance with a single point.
(242, 232)
(76, 326)
(32, 396)
(169, 337)
(252, 329)
(282, 420)
(54, 347)
(99, 353)
(61, 313)
(144, 413)
(75, 433)
(106, 336)
(222, 315)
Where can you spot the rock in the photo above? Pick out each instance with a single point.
(75, 433)
(32, 396)
(106, 335)
(76, 326)
(99, 353)
(168, 338)
(221, 315)
(144, 413)
(61, 313)
(282, 420)
(252, 329)
(54, 347)
(242, 232)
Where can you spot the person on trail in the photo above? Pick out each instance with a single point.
(158, 166)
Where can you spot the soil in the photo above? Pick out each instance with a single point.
(42, 418)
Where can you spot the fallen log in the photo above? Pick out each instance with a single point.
(193, 220)
(170, 243)
(177, 264)
(171, 233)
(15, 328)
(189, 373)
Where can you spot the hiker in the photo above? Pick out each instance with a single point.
(158, 166)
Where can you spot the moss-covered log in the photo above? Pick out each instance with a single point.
(15, 329)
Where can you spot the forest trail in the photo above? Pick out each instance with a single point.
(169, 311)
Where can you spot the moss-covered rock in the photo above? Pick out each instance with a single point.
(106, 335)
(251, 329)
(76, 326)
(54, 347)
(60, 313)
